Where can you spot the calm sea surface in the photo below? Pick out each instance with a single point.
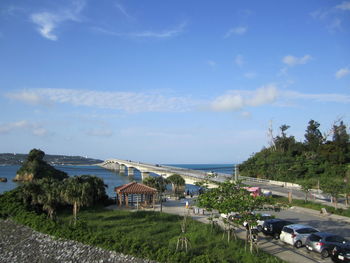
(111, 179)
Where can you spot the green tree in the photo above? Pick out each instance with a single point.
(159, 183)
(233, 197)
(177, 181)
(334, 187)
(306, 186)
(50, 195)
(78, 193)
(313, 136)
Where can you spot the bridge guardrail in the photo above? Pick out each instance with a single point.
(220, 177)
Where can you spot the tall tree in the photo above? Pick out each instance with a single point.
(159, 183)
(77, 192)
(313, 136)
(177, 181)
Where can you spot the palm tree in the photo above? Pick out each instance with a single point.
(50, 195)
(77, 192)
(176, 181)
(159, 183)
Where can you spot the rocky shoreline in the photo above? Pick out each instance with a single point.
(22, 244)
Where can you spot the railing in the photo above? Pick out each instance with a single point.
(198, 174)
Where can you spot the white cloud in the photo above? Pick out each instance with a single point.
(32, 127)
(239, 60)
(344, 5)
(125, 101)
(48, 21)
(292, 60)
(342, 73)
(238, 99)
(240, 30)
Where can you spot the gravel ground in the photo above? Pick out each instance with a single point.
(21, 244)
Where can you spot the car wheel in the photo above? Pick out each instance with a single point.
(276, 236)
(298, 244)
(324, 253)
(259, 228)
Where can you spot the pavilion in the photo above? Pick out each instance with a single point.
(143, 194)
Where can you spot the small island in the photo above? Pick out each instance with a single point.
(36, 168)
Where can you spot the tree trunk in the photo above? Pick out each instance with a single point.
(75, 210)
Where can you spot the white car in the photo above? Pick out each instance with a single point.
(260, 221)
(296, 234)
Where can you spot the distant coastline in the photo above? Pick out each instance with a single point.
(19, 158)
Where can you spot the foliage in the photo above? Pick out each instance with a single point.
(143, 234)
(177, 181)
(157, 182)
(316, 158)
(233, 197)
(37, 168)
(48, 194)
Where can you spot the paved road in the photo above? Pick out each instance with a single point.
(277, 247)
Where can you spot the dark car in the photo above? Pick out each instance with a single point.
(273, 227)
(341, 253)
(324, 243)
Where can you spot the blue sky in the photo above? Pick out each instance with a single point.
(169, 81)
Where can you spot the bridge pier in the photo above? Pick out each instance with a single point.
(144, 175)
(130, 171)
(122, 168)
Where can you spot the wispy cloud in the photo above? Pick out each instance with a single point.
(122, 10)
(342, 73)
(34, 128)
(291, 61)
(160, 34)
(240, 30)
(47, 22)
(344, 5)
(322, 97)
(332, 17)
(28, 97)
(124, 101)
(168, 33)
(239, 60)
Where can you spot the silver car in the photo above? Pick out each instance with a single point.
(324, 243)
(296, 234)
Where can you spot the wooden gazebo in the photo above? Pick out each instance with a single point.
(131, 191)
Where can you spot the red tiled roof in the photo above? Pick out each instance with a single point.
(134, 188)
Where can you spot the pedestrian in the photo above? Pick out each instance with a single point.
(186, 204)
(191, 194)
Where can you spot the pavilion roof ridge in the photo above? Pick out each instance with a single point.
(134, 187)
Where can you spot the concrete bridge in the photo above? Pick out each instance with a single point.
(190, 176)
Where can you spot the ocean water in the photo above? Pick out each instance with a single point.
(111, 179)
